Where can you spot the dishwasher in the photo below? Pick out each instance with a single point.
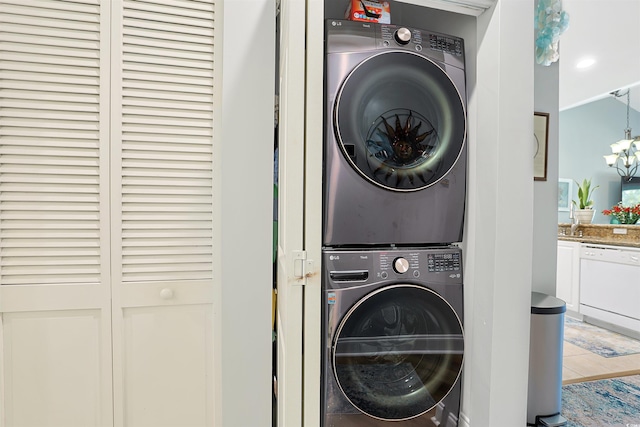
(610, 286)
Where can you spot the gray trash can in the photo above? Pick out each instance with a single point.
(545, 361)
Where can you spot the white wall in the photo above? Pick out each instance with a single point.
(546, 192)
(243, 165)
(498, 246)
(586, 133)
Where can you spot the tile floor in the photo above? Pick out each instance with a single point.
(580, 365)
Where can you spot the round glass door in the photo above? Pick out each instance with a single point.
(398, 352)
(400, 121)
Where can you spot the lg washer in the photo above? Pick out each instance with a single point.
(395, 136)
(392, 341)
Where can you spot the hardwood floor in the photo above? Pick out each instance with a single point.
(580, 365)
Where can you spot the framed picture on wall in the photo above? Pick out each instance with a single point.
(564, 194)
(541, 136)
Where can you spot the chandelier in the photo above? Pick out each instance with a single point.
(626, 154)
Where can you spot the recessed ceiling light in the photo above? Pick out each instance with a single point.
(585, 63)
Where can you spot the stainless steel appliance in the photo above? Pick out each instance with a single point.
(392, 337)
(395, 136)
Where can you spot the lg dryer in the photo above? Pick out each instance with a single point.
(393, 340)
(395, 136)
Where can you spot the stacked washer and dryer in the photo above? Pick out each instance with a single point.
(394, 190)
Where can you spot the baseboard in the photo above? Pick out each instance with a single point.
(464, 420)
(602, 323)
(574, 315)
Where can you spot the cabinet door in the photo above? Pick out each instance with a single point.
(162, 224)
(568, 274)
(55, 310)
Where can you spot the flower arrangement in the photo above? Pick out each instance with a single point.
(624, 214)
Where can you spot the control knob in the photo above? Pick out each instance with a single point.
(402, 35)
(400, 265)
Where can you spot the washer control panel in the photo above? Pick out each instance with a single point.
(421, 264)
(448, 44)
(443, 262)
(438, 265)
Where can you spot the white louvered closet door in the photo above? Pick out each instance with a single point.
(162, 203)
(106, 213)
(55, 312)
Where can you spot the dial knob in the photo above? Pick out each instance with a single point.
(402, 35)
(400, 265)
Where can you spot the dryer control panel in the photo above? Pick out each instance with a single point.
(345, 36)
(402, 36)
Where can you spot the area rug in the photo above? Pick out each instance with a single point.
(603, 403)
(599, 341)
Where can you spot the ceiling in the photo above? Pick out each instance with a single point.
(608, 32)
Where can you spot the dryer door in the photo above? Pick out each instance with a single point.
(398, 352)
(400, 121)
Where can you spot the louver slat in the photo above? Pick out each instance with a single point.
(167, 112)
(49, 142)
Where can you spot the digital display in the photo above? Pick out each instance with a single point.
(443, 262)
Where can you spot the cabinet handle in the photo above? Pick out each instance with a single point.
(166, 293)
(634, 258)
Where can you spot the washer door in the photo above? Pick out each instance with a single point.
(398, 352)
(400, 121)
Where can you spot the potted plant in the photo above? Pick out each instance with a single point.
(584, 206)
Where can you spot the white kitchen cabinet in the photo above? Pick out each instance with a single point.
(568, 274)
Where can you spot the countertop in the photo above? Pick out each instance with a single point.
(602, 234)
